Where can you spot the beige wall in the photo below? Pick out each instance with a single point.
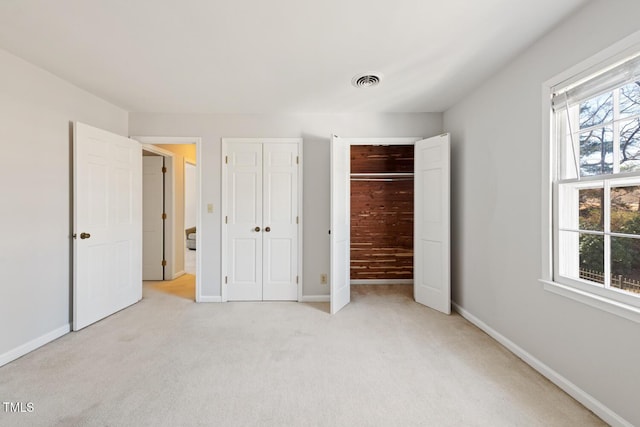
(36, 109)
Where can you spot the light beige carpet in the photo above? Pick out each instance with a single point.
(382, 361)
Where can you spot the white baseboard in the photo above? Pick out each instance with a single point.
(570, 388)
(178, 274)
(210, 299)
(17, 352)
(315, 298)
(382, 282)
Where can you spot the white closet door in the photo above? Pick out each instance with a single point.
(280, 228)
(340, 238)
(107, 205)
(431, 274)
(244, 222)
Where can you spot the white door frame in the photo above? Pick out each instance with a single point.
(147, 141)
(374, 141)
(223, 205)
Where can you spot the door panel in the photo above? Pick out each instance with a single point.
(280, 231)
(107, 205)
(340, 239)
(244, 207)
(432, 285)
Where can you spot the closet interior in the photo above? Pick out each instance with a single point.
(381, 213)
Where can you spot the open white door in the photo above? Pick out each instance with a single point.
(340, 240)
(107, 205)
(431, 269)
(152, 214)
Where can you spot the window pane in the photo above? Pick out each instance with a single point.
(630, 99)
(596, 151)
(596, 111)
(625, 264)
(592, 257)
(630, 146)
(625, 217)
(591, 205)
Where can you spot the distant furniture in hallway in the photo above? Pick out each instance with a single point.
(191, 238)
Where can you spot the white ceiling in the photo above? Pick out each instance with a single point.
(258, 56)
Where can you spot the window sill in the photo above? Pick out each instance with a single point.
(606, 304)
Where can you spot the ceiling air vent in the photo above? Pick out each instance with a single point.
(366, 80)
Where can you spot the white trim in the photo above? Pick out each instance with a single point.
(315, 298)
(168, 140)
(570, 388)
(198, 142)
(613, 53)
(210, 298)
(178, 274)
(382, 282)
(383, 141)
(28, 347)
(621, 309)
(156, 150)
(300, 220)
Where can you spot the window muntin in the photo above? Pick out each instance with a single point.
(597, 203)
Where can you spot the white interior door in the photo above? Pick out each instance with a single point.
(340, 240)
(280, 221)
(244, 222)
(152, 222)
(431, 271)
(107, 204)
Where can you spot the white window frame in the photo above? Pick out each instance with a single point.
(605, 298)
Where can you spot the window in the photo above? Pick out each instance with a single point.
(595, 128)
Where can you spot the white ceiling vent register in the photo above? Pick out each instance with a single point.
(366, 80)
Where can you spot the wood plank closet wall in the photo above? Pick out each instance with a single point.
(381, 212)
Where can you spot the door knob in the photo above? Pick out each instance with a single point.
(85, 235)
(268, 229)
(257, 229)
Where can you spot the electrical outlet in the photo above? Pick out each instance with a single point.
(323, 279)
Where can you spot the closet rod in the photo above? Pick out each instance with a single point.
(382, 174)
(382, 179)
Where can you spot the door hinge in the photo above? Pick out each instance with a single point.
(164, 216)
(225, 219)
(226, 159)
(297, 280)
(297, 220)
(164, 169)
(225, 279)
(297, 160)
(164, 262)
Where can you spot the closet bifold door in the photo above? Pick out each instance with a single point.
(261, 220)
(280, 228)
(244, 222)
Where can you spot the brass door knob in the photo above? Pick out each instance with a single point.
(268, 229)
(85, 235)
(257, 229)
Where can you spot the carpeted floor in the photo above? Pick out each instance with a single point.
(382, 361)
